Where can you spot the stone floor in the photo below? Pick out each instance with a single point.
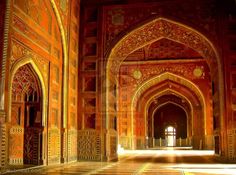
(146, 162)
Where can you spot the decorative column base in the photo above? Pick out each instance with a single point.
(72, 146)
(111, 145)
(3, 139)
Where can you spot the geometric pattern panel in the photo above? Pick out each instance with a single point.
(72, 145)
(232, 145)
(89, 145)
(54, 148)
(16, 145)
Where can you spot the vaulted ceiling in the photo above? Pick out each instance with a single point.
(164, 49)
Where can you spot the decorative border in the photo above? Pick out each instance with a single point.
(4, 53)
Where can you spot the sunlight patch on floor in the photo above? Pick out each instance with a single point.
(209, 172)
(168, 152)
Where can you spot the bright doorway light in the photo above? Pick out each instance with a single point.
(170, 136)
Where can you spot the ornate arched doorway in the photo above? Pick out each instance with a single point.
(145, 35)
(26, 109)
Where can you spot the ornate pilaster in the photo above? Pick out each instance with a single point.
(4, 54)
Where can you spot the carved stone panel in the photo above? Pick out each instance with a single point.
(16, 140)
(54, 146)
(72, 145)
(89, 145)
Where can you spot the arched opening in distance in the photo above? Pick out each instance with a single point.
(174, 116)
(165, 89)
(170, 136)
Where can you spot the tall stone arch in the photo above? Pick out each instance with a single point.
(154, 31)
(148, 33)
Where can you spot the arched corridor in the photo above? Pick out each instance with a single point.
(102, 84)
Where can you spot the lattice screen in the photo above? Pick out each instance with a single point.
(72, 145)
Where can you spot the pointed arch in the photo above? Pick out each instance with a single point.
(158, 79)
(39, 74)
(176, 104)
(153, 31)
(165, 92)
(162, 77)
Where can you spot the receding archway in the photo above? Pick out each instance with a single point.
(150, 33)
(151, 83)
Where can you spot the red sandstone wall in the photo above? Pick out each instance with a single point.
(35, 33)
(214, 19)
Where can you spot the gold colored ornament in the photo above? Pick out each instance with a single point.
(137, 74)
(198, 72)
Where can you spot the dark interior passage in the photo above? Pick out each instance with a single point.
(170, 115)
